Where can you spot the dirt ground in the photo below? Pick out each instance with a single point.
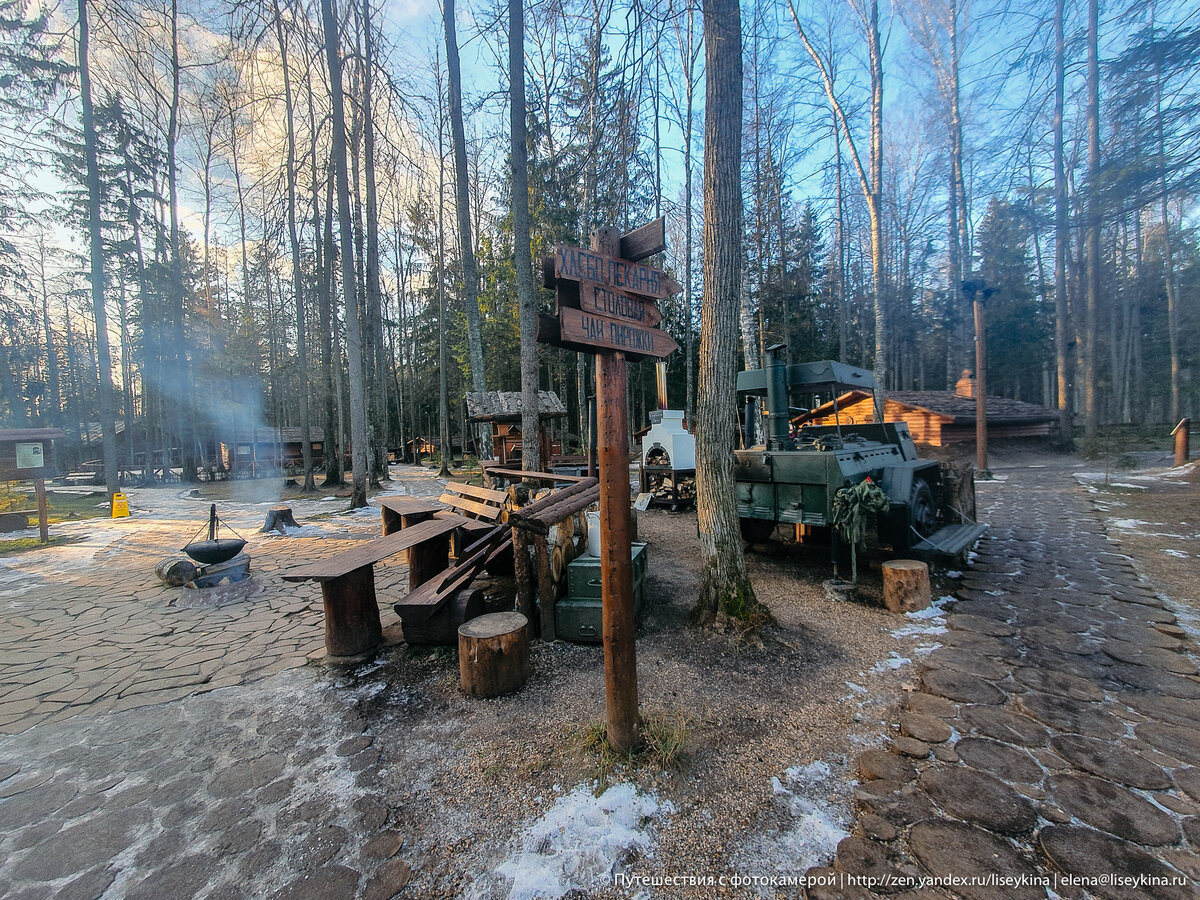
(816, 692)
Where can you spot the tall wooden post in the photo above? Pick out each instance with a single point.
(616, 568)
(981, 447)
(39, 485)
(1181, 441)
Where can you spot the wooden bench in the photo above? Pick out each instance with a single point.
(16, 519)
(352, 624)
(481, 507)
(499, 474)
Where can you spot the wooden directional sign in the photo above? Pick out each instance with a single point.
(577, 264)
(581, 327)
(609, 301)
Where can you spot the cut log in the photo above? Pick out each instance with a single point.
(280, 518)
(352, 624)
(905, 585)
(493, 654)
(442, 627)
(175, 571)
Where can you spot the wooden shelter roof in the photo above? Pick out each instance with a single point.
(505, 406)
(31, 434)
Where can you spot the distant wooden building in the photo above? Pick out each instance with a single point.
(938, 418)
(265, 448)
(503, 410)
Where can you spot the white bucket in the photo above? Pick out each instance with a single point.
(593, 545)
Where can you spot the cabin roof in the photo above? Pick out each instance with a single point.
(506, 406)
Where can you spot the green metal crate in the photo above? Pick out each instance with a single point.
(581, 620)
(577, 617)
(583, 574)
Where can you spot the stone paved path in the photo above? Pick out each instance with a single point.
(1054, 733)
(88, 627)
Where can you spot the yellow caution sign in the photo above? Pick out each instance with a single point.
(120, 506)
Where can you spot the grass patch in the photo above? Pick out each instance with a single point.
(20, 545)
(61, 506)
(662, 738)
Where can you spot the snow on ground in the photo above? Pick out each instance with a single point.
(577, 844)
(816, 800)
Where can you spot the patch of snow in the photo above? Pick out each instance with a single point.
(954, 573)
(893, 662)
(1178, 553)
(578, 842)
(817, 800)
(856, 688)
(1121, 484)
(926, 649)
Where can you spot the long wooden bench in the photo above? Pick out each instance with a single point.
(352, 624)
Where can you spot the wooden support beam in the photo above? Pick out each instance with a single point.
(616, 569)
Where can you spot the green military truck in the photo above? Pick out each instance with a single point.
(795, 474)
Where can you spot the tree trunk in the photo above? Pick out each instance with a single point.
(297, 271)
(1092, 235)
(726, 591)
(522, 260)
(1062, 234)
(462, 205)
(374, 294)
(358, 415)
(108, 428)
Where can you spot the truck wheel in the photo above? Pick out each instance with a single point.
(757, 530)
(922, 513)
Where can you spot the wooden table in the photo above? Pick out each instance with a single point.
(400, 512)
(508, 476)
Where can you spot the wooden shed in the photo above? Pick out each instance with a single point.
(503, 410)
(938, 418)
(268, 449)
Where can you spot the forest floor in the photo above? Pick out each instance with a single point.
(247, 769)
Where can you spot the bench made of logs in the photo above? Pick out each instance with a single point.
(423, 612)
(352, 624)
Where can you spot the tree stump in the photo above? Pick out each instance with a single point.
(493, 654)
(905, 585)
(280, 518)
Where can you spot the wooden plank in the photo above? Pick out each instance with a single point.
(407, 506)
(614, 334)
(355, 558)
(482, 510)
(614, 303)
(651, 238)
(480, 493)
(522, 474)
(577, 264)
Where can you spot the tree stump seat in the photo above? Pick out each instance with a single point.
(493, 654)
(905, 585)
(352, 624)
(279, 518)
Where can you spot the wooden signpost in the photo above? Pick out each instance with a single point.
(25, 454)
(605, 306)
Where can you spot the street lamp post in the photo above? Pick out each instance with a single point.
(978, 292)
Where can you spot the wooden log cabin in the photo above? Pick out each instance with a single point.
(939, 418)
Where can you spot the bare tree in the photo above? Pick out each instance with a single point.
(354, 347)
(522, 261)
(726, 592)
(108, 428)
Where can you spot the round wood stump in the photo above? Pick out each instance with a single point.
(905, 585)
(493, 654)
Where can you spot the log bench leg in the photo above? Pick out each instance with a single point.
(427, 559)
(352, 624)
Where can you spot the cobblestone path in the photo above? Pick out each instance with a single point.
(88, 627)
(1053, 738)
